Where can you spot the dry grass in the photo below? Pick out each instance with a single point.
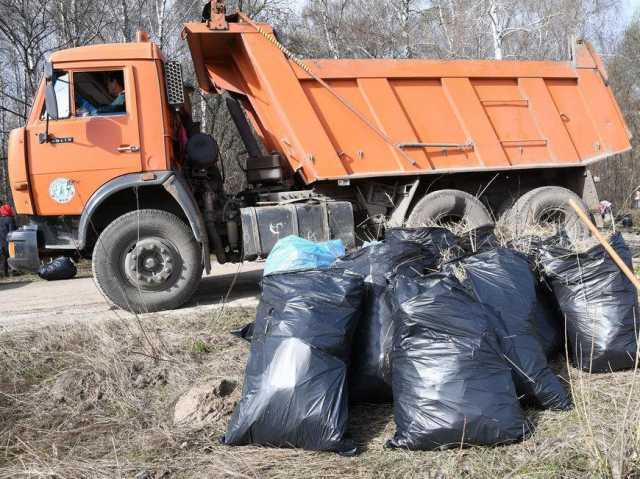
(113, 418)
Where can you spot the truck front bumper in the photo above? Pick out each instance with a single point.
(23, 249)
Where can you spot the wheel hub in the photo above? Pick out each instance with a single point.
(150, 264)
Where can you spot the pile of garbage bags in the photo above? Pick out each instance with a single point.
(457, 332)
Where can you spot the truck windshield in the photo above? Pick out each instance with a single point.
(99, 93)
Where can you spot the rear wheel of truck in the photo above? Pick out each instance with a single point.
(449, 206)
(546, 210)
(507, 212)
(147, 260)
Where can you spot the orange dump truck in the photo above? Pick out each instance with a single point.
(112, 166)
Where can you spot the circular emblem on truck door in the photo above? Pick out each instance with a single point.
(62, 190)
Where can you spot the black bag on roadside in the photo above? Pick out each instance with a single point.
(548, 318)
(295, 387)
(599, 303)
(451, 384)
(434, 240)
(60, 268)
(502, 280)
(369, 376)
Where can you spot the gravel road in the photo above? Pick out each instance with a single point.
(27, 304)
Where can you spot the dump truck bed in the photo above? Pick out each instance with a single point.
(370, 118)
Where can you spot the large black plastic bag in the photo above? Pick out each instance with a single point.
(295, 387)
(434, 240)
(479, 239)
(369, 378)
(548, 318)
(502, 280)
(451, 384)
(60, 268)
(599, 303)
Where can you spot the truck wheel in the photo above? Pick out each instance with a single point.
(549, 206)
(147, 260)
(449, 205)
(506, 207)
(507, 212)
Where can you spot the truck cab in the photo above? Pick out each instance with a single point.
(56, 164)
(108, 150)
(111, 166)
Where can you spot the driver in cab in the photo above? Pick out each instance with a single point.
(116, 90)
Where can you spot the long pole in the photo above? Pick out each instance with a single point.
(615, 256)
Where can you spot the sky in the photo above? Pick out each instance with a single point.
(630, 7)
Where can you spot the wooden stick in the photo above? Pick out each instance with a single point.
(615, 256)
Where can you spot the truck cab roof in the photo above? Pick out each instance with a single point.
(109, 51)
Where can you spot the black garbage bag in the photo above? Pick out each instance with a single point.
(502, 280)
(548, 320)
(599, 303)
(295, 387)
(60, 268)
(369, 377)
(479, 239)
(451, 383)
(434, 240)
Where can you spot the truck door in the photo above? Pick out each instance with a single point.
(95, 138)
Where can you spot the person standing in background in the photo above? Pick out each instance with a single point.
(636, 199)
(7, 225)
(605, 209)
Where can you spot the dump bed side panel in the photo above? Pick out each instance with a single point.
(414, 116)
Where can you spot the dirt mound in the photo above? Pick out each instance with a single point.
(206, 403)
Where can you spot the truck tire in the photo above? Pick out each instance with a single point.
(147, 260)
(508, 212)
(549, 205)
(506, 206)
(444, 205)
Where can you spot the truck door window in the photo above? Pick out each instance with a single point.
(99, 93)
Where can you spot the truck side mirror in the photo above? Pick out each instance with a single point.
(50, 100)
(48, 71)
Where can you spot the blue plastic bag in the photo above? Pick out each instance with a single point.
(294, 253)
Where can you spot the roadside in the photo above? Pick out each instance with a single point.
(30, 303)
(100, 399)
